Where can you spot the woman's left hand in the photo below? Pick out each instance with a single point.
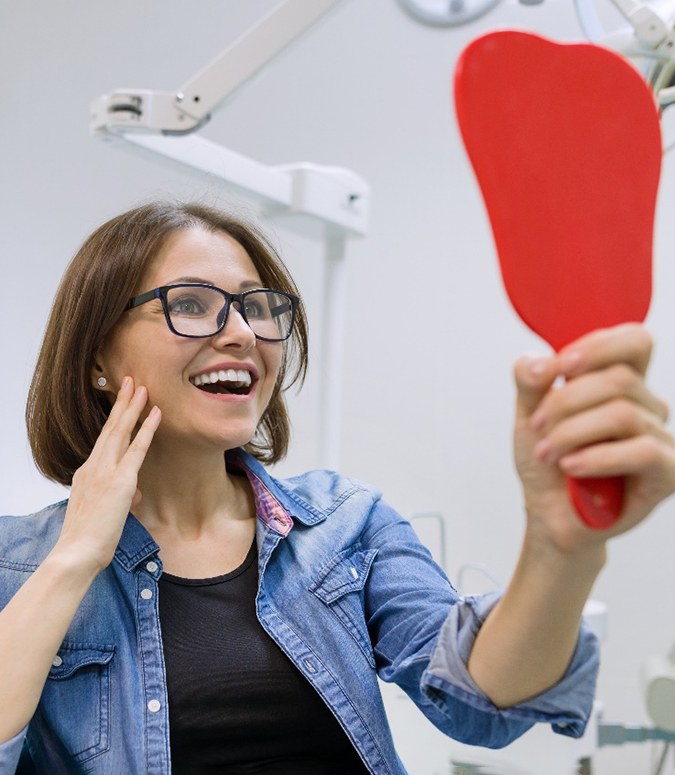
(601, 421)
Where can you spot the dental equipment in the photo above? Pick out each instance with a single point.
(648, 41)
(330, 204)
(447, 14)
(658, 680)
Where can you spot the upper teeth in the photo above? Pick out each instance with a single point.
(237, 376)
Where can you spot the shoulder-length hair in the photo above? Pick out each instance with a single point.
(64, 412)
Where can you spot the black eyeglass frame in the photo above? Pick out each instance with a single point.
(230, 298)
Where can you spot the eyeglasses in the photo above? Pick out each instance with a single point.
(199, 310)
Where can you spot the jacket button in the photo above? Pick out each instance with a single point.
(57, 661)
(154, 706)
(146, 594)
(152, 566)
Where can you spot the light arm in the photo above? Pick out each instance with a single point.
(210, 87)
(650, 28)
(190, 107)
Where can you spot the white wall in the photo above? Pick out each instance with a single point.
(428, 394)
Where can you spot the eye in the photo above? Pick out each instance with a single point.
(190, 306)
(255, 309)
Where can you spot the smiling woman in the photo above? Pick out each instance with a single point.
(65, 412)
(185, 611)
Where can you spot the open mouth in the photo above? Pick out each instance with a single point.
(234, 381)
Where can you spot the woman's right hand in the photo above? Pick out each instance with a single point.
(104, 488)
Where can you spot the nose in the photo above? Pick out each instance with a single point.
(235, 333)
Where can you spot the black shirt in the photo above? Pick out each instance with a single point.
(237, 705)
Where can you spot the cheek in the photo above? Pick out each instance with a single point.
(126, 361)
(114, 361)
(141, 358)
(273, 359)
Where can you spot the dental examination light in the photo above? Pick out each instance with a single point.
(442, 13)
(326, 203)
(647, 40)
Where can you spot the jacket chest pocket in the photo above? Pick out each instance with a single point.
(340, 585)
(76, 699)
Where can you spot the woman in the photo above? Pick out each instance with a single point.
(236, 623)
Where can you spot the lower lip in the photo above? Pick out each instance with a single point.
(234, 398)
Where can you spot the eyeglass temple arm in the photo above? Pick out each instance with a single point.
(280, 309)
(147, 296)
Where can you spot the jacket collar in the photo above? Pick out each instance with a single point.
(275, 506)
(273, 513)
(135, 545)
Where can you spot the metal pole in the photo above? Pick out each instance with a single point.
(334, 301)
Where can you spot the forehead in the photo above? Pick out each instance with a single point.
(212, 256)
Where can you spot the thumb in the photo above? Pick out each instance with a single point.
(534, 375)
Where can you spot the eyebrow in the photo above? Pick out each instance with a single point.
(244, 285)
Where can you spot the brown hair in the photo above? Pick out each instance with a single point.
(64, 413)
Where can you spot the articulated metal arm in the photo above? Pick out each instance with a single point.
(323, 201)
(191, 105)
(649, 41)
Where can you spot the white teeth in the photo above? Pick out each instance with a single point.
(238, 377)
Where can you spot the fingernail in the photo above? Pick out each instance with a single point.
(125, 383)
(537, 364)
(154, 412)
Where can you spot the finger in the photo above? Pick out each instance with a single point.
(610, 421)
(582, 393)
(534, 375)
(628, 457)
(127, 420)
(115, 440)
(138, 449)
(134, 454)
(628, 343)
(122, 400)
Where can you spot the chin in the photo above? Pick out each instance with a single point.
(217, 437)
(233, 440)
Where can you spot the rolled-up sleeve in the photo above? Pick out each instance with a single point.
(10, 753)
(446, 682)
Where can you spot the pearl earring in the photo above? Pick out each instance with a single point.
(102, 382)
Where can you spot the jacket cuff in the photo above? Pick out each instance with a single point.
(566, 706)
(10, 753)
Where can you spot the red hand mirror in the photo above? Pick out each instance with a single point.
(565, 143)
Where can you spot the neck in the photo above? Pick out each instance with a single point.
(190, 491)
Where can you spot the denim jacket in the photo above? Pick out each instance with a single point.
(345, 588)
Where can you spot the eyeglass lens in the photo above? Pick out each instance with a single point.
(196, 311)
